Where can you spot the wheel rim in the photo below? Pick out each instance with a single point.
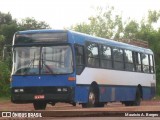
(92, 99)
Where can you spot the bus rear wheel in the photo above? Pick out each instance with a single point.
(137, 101)
(138, 98)
(39, 105)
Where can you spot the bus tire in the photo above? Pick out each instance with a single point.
(138, 98)
(92, 99)
(39, 105)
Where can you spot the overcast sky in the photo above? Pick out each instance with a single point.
(64, 13)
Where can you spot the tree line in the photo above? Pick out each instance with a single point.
(106, 23)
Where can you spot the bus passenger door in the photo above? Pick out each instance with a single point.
(81, 91)
(80, 61)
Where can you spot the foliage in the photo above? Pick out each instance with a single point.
(4, 79)
(103, 24)
(31, 24)
(131, 30)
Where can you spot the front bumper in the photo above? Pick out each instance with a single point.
(50, 94)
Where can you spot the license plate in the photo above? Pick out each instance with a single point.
(39, 97)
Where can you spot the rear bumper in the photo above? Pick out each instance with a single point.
(50, 94)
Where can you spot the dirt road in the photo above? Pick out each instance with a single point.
(62, 109)
(153, 105)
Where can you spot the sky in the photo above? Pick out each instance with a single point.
(61, 14)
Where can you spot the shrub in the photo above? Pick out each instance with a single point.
(4, 78)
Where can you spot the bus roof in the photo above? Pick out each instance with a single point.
(39, 31)
(111, 42)
(86, 37)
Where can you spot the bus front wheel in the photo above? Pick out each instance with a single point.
(39, 105)
(92, 98)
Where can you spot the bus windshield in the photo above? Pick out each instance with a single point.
(43, 60)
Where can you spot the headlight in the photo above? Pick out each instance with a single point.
(59, 89)
(62, 89)
(18, 90)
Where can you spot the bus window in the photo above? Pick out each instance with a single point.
(106, 58)
(26, 60)
(128, 60)
(137, 60)
(57, 60)
(118, 58)
(92, 55)
(145, 62)
(151, 64)
(79, 50)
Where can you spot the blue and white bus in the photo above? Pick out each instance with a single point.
(51, 66)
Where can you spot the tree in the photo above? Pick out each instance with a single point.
(7, 29)
(104, 24)
(5, 18)
(31, 24)
(131, 30)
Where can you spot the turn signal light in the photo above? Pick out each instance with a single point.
(71, 78)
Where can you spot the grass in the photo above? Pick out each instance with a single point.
(157, 97)
(4, 98)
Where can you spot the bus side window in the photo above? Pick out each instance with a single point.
(137, 61)
(118, 59)
(145, 62)
(151, 64)
(92, 55)
(128, 56)
(79, 52)
(106, 56)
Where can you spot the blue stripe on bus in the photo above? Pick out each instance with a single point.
(43, 80)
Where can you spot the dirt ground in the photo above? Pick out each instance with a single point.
(153, 105)
(63, 110)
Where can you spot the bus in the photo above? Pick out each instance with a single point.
(51, 66)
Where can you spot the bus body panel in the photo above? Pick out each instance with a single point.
(81, 93)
